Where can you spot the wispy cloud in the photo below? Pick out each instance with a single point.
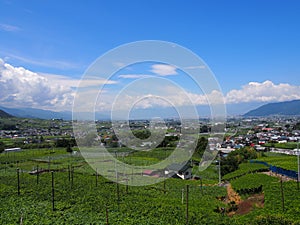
(58, 64)
(134, 76)
(74, 83)
(163, 69)
(194, 67)
(9, 28)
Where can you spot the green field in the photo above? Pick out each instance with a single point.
(83, 198)
(245, 168)
(288, 162)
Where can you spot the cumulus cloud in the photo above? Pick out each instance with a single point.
(20, 87)
(168, 96)
(163, 69)
(263, 92)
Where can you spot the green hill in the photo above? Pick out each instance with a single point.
(4, 114)
(289, 108)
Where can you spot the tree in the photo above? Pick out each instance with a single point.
(69, 149)
(142, 134)
(297, 126)
(201, 146)
(62, 143)
(234, 158)
(229, 164)
(2, 146)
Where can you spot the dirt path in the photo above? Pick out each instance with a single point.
(232, 195)
(243, 206)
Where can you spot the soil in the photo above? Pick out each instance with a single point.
(254, 201)
(232, 195)
(243, 206)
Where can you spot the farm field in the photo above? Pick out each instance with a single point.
(81, 197)
(288, 162)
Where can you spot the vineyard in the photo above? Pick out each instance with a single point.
(74, 194)
(284, 161)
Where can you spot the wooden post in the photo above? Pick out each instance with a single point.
(187, 204)
(106, 212)
(96, 177)
(72, 176)
(220, 168)
(49, 163)
(18, 177)
(37, 174)
(282, 194)
(201, 186)
(298, 160)
(52, 175)
(69, 173)
(118, 192)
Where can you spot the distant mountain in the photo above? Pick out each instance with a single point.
(288, 108)
(37, 113)
(4, 114)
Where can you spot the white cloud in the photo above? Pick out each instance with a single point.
(252, 92)
(59, 64)
(194, 67)
(9, 28)
(263, 92)
(74, 83)
(133, 76)
(22, 88)
(163, 69)
(168, 96)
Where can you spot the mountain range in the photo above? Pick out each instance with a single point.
(4, 114)
(288, 108)
(279, 108)
(37, 113)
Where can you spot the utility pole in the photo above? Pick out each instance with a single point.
(18, 176)
(298, 159)
(282, 193)
(187, 204)
(96, 177)
(52, 176)
(37, 174)
(220, 168)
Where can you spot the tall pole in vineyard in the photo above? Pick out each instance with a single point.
(187, 204)
(18, 176)
(219, 167)
(52, 176)
(298, 159)
(282, 194)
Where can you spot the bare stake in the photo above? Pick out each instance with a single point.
(18, 177)
(53, 206)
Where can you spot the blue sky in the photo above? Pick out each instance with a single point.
(248, 45)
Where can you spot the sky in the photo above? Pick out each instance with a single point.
(252, 47)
